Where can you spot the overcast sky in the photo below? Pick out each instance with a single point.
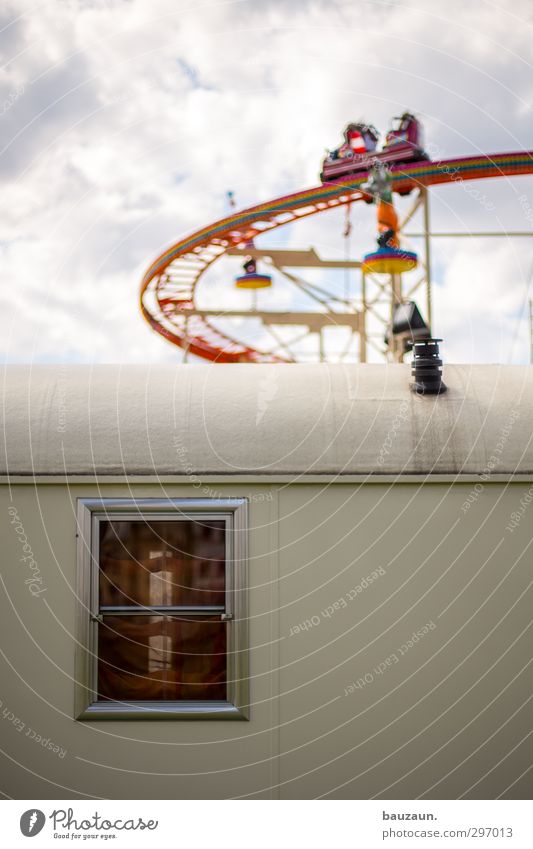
(124, 123)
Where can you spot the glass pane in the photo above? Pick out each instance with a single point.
(161, 658)
(162, 562)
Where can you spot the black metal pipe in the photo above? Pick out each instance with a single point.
(427, 368)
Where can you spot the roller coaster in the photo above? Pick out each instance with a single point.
(168, 298)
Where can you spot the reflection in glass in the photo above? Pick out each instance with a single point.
(162, 658)
(162, 562)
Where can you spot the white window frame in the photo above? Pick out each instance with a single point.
(91, 511)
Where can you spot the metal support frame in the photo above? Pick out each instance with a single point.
(171, 281)
(367, 313)
(369, 310)
(380, 293)
(427, 251)
(330, 310)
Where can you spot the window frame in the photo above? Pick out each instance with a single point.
(92, 511)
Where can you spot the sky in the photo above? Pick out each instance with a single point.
(123, 124)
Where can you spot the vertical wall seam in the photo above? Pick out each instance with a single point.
(275, 712)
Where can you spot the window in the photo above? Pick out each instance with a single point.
(162, 631)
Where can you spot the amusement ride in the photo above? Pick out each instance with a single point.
(380, 313)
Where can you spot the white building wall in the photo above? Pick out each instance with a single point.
(447, 718)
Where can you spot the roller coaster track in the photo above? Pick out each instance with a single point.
(169, 285)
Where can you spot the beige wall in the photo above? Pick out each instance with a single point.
(443, 716)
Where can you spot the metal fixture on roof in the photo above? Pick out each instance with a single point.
(427, 368)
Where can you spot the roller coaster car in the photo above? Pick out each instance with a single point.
(402, 144)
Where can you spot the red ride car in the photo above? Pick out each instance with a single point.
(402, 144)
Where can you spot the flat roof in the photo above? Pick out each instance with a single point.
(263, 419)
